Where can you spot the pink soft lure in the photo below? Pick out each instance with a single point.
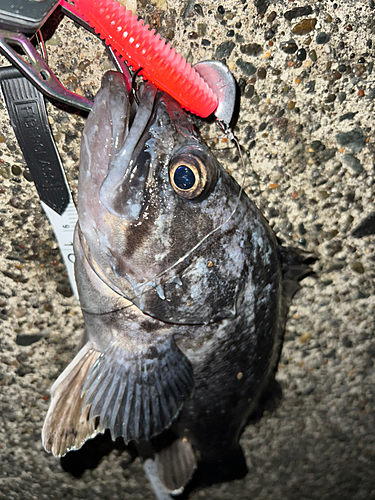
(142, 48)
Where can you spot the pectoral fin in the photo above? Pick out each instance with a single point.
(67, 426)
(134, 393)
(137, 394)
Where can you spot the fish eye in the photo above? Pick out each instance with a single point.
(189, 176)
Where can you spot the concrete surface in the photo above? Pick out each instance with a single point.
(308, 124)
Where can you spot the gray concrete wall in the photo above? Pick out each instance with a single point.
(307, 120)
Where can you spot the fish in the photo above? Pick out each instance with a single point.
(184, 291)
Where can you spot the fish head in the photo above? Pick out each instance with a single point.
(159, 218)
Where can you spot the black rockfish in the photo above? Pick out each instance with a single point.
(182, 288)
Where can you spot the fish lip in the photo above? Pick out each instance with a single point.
(121, 169)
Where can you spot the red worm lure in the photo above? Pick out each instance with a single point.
(142, 48)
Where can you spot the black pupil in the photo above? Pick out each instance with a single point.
(184, 177)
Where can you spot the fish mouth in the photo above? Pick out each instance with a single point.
(122, 191)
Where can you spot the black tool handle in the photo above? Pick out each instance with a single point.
(28, 117)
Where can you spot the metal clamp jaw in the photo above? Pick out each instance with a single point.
(21, 17)
(38, 71)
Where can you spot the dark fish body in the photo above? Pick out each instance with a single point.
(182, 290)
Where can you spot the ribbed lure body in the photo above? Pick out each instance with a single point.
(142, 48)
